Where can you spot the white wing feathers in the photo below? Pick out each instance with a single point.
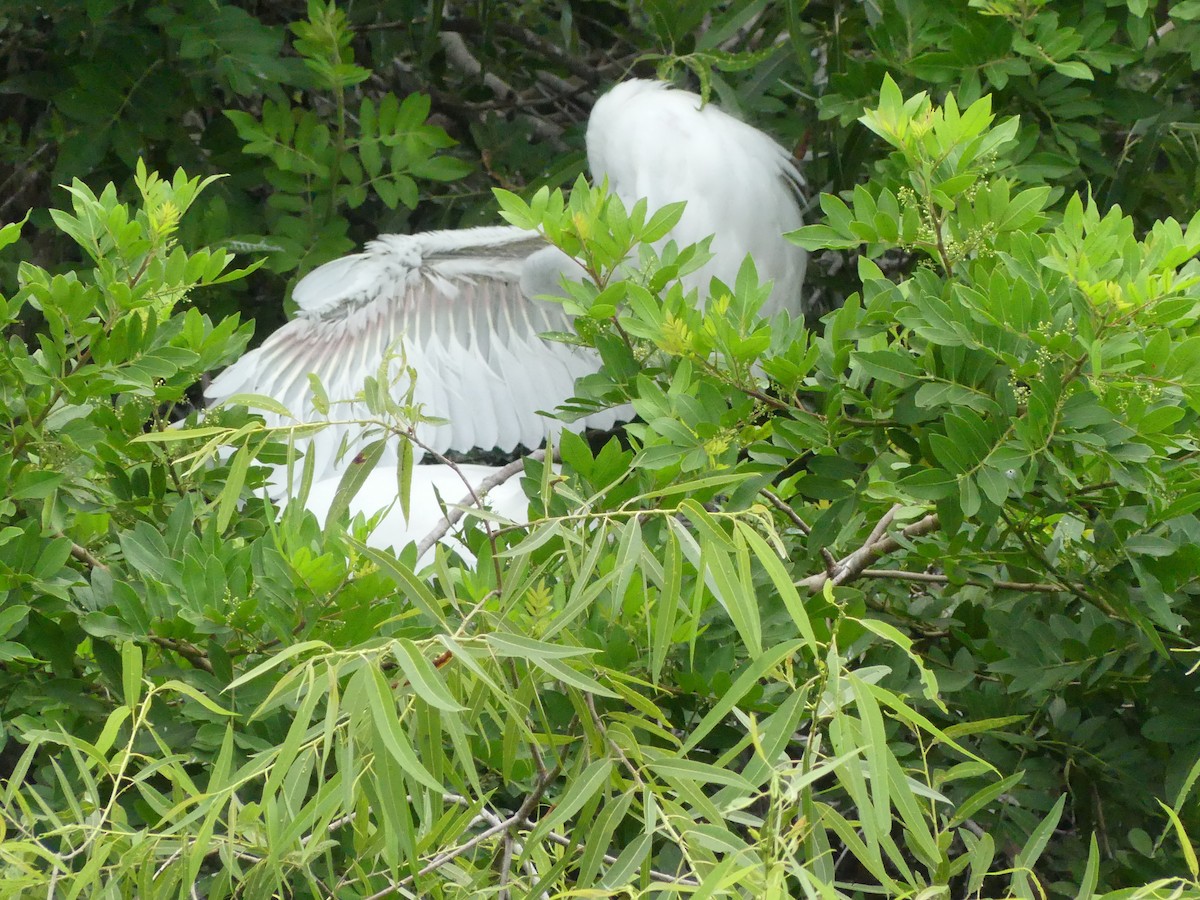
(654, 141)
(456, 304)
(451, 302)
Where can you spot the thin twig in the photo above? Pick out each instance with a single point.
(517, 819)
(473, 498)
(782, 505)
(26, 165)
(1035, 551)
(491, 818)
(934, 578)
(563, 841)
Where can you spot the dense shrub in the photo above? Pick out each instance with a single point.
(898, 605)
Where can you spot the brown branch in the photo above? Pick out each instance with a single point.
(782, 505)
(576, 67)
(1038, 587)
(858, 560)
(562, 840)
(187, 650)
(831, 564)
(14, 193)
(504, 826)
(877, 545)
(506, 866)
(1035, 551)
(529, 39)
(84, 555)
(461, 58)
(655, 875)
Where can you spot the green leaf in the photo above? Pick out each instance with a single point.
(704, 773)
(627, 863)
(355, 475)
(1032, 851)
(231, 492)
(131, 673)
(567, 675)
(11, 617)
(783, 584)
(892, 367)
(256, 401)
(580, 789)
(749, 676)
(929, 484)
(391, 731)
(276, 660)
(983, 797)
(1185, 843)
(423, 677)
(1074, 69)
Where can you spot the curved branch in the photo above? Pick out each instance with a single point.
(474, 498)
(851, 567)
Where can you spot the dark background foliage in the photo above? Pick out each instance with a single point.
(1106, 94)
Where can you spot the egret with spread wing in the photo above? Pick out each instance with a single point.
(453, 304)
(460, 308)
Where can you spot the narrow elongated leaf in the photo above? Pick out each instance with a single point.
(747, 679)
(231, 492)
(530, 649)
(391, 731)
(573, 677)
(581, 788)
(276, 660)
(702, 772)
(353, 478)
(1185, 843)
(423, 677)
(416, 590)
(628, 861)
(783, 584)
(669, 597)
(131, 672)
(1032, 851)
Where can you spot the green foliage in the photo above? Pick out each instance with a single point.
(900, 607)
(316, 168)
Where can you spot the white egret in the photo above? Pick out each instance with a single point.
(452, 302)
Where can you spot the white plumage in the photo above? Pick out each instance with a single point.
(454, 305)
(432, 486)
(450, 303)
(653, 141)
